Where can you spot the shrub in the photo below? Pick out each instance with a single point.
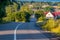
(56, 30)
(52, 26)
(49, 24)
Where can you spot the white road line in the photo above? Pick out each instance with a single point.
(15, 30)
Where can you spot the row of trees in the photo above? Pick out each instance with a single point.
(9, 12)
(13, 14)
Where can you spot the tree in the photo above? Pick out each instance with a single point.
(56, 29)
(27, 11)
(24, 14)
(3, 3)
(49, 8)
(11, 11)
(27, 17)
(39, 15)
(50, 24)
(20, 16)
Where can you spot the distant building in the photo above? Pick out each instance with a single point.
(49, 15)
(53, 15)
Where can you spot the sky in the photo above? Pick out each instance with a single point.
(41, 0)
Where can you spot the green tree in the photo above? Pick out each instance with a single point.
(27, 16)
(24, 14)
(49, 8)
(39, 15)
(3, 4)
(20, 17)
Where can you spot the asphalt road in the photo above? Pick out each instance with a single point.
(26, 31)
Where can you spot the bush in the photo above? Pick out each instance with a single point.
(52, 26)
(41, 19)
(49, 24)
(56, 30)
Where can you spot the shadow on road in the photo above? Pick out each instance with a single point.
(7, 37)
(9, 26)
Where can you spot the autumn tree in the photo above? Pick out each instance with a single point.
(24, 14)
(11, 11)
(50, 24)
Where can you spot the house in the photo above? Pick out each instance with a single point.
(49, 15)
(54, 15)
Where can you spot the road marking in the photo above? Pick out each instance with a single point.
(26, 32)
(15, 30)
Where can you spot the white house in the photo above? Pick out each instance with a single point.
(54, 15)
(49, 15)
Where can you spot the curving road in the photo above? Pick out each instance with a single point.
(27, 31)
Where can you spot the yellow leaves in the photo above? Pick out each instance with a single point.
(11, 8)
(25, 8)
(40, 19)
(53, 26)
(56, 30)
(8, 9)
(50, 24)
(11, 11)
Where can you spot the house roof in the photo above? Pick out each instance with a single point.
(53, 13)
(56, 13)
(45, 13)
(49, 14)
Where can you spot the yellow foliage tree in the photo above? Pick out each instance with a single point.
(11, 11)
(49, 24)
(56, 30)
